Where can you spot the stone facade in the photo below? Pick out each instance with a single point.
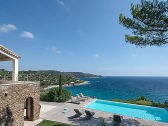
(13, 98)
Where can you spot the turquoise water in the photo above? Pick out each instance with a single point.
(138, 111)
(108, 88)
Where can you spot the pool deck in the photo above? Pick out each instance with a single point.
(54, 111)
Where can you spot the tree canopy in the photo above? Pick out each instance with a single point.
(60, 84)
(149, 23)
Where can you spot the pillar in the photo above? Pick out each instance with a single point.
(15, 70)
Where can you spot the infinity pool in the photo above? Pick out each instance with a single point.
(137, 111)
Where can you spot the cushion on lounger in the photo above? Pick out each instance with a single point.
(117, 118)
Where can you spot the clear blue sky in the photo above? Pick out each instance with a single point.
(76, 35)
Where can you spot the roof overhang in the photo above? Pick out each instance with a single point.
(6, 54)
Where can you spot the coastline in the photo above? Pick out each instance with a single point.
(85, 82)
(77, 84)
(68, 85)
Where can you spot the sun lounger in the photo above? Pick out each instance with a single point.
(82, 96)
(78, 114)
(117, 120)
(89, 114)
(75, 101)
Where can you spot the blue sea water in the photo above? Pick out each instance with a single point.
(108, 88)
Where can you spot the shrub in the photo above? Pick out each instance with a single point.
(142, 98)
(51, 123)
(166, 104)
(143, 101)
(53, 95)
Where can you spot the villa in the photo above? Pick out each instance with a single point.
(19, 101)
(20, 105)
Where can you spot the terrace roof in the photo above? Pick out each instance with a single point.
(8, 55)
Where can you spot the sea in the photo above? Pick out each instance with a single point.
(108, 88)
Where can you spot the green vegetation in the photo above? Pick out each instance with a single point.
(48, 77)
(60, 85)
(148, 23)
(53, 95)
(143, 101)
(51, 123)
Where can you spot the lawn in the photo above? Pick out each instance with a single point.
(51, 123)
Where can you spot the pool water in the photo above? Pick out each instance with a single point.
(137, 111)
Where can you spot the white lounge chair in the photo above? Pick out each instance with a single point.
(78, 97)
(75, 101)
(82, 96)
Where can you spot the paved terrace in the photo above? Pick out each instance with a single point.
(54, 111)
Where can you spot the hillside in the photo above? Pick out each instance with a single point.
(47, 77)
(81, 75)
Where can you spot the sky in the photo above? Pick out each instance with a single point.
(76, 35)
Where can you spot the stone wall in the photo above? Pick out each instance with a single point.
(14, 96)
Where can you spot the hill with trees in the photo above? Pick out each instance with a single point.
(47, 77)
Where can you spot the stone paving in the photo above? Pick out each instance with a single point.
(55, 112)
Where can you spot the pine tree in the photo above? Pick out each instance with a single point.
(149, 23)
(60, 84)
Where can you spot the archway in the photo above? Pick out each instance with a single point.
(28, 109)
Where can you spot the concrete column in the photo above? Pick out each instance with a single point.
(15, 70)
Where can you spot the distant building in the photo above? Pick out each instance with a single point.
(19, 100)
